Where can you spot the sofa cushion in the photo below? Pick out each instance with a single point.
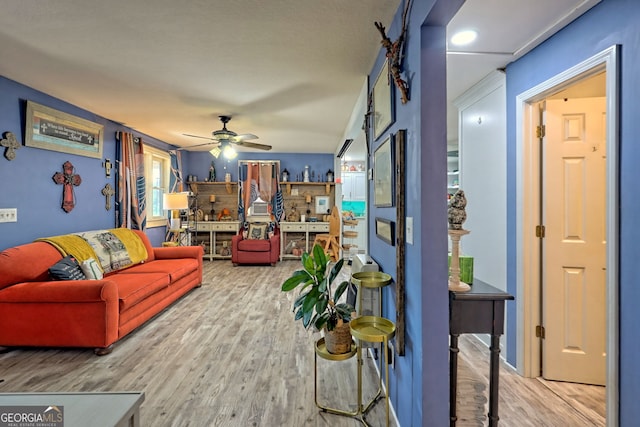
(133, 288)
(175, 268)
(66, 269)
(250, 245)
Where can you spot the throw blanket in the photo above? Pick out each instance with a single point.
(113, 249)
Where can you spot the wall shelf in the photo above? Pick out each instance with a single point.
(327, 185)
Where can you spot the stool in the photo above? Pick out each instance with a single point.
(321, 350)
(377, 330)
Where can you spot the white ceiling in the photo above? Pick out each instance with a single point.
(289, 71)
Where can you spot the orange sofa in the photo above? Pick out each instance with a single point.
(38, 312)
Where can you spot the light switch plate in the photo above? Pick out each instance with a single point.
(9, 215)
(409, 230)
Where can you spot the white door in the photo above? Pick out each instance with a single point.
(574, 246)
(359, 186)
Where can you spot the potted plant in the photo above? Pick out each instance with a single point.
(317, 305)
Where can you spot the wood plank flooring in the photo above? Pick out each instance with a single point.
(229, 354)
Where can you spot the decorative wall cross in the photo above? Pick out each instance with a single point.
(108, 191)
(11, 144)
(68, 178)
(395, 53)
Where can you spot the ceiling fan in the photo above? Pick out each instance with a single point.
(225, 137)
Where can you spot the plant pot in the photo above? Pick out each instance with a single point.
(338, 341)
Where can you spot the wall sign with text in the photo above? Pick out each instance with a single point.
(51, 129)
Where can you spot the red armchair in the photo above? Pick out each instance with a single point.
(255, 250)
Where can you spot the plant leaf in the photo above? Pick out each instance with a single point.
(335, 270)
(322, 303)
(344, 311)
(320, 257)
(321, 321)
(340, 290)
(299, 300)
(311, 299)
(306, 319)
(298, 277)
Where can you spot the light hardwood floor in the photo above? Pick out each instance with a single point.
(229, 354)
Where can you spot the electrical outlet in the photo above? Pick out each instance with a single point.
(9, 215)
(391, 356)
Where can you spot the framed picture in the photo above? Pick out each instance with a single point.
(322, 205)
(386, 230)
(382, 102)
(383, 176)
(54, 130)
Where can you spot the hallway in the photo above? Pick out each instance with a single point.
(538, 403)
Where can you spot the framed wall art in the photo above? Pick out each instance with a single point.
(54, 130)
(382, 102)
(386, 230)
(383, 176)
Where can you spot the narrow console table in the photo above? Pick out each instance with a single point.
(219, 231)
(478, 311)
(117, 409)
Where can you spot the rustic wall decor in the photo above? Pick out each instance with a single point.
(400, 140)
(107, 165)
(395, 53)
(68, 179)
(11, 144)
(54, 130)
(107, 192)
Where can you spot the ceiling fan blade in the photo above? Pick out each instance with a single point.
(244, 137)
(198, 136)
(253, 145)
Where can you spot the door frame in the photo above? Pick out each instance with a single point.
(528, 260)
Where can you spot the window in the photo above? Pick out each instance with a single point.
(157, 166)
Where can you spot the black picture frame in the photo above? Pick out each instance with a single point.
(383, 174)
(386, 230)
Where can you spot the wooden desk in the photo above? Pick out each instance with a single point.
(478, 311)
(118, 409)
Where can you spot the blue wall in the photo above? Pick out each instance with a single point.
(198, 163)
(609, 23)
(420, 380)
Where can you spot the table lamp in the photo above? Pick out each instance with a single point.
(175, 202)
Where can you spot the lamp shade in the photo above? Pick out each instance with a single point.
(212, 198)
(171, 201)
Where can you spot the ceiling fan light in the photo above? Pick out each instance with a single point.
(229, 153)
(215, 152)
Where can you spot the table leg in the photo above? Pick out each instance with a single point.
(453, 378)
(494, 379)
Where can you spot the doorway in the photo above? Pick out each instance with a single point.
(531, 209)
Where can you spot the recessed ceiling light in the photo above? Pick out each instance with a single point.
(462, 38)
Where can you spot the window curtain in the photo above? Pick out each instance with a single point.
(131, 211)
(176, 183)
(260, 179)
